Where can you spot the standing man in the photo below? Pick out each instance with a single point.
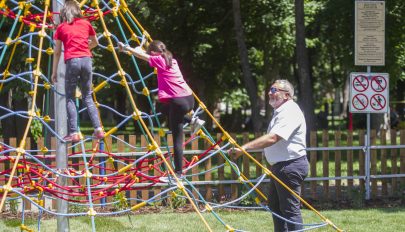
(284, 147)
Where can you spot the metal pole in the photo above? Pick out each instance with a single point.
(367, 160)
(61, 129)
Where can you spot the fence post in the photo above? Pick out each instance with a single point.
(145, 191)
(234, 187)
(338, 166)
(402, 154)
(2, 164)
(221, 174)
(156, 172)
(325, 164)
(313, 159)
(394, 167)
(208, 175)
(245, 159)
(384, 189)
(362, 162)
(132, 192)
(373, 164)
(194, 170)
(350, 159)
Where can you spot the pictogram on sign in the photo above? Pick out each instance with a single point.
(378, 102)
(360, 83)
(360, 101)
(378, 83)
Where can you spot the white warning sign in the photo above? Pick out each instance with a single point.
(369, 92)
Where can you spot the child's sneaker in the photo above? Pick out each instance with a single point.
(164, 179)
(74, 138)
(170, 178)
(99, 133)
(197, 124)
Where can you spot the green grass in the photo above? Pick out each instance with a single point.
(376, 219)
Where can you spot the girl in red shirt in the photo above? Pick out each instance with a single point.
(78, 38)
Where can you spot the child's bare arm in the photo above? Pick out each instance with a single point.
(138, 51)
(93, 42)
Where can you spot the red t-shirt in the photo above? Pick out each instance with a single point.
(75, 38)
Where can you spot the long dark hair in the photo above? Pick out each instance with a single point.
(159, 47)
(70, 11)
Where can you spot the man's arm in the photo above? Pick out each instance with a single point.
(264, 141)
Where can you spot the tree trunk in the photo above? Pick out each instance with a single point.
(271, 73)
(13, 126)
(400, 89)
(346, 93)
(304, 77)
(250, 83)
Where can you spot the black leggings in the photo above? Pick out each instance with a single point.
(176, 110)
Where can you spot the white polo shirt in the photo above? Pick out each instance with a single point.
(288, 122)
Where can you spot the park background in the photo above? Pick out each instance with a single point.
(231, 51)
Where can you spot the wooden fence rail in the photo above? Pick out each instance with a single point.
(334, 174)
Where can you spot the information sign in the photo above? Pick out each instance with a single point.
(369, 33)
(369, 92)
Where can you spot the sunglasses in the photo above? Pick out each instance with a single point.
(274, 90)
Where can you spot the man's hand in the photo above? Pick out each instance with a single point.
(235, 152)
(54, 78)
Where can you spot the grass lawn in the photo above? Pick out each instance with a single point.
(371, 219)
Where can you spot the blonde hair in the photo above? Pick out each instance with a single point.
(70, 11)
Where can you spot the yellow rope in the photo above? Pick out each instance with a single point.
(128, 27)
(125, 7)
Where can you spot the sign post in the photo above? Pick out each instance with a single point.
(369, 50)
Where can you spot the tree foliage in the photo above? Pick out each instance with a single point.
(202, 37)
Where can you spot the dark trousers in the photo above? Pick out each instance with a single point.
(281, 201)
(79, 70)
(176, 109)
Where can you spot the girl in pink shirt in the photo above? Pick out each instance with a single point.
(174, 94)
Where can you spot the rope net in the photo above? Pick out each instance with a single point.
(95, 176)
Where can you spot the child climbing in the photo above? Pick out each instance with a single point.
(174, 94)
(78, 38)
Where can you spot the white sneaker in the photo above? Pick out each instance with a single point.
(170, 178)
(164, 179)
(197, 124)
